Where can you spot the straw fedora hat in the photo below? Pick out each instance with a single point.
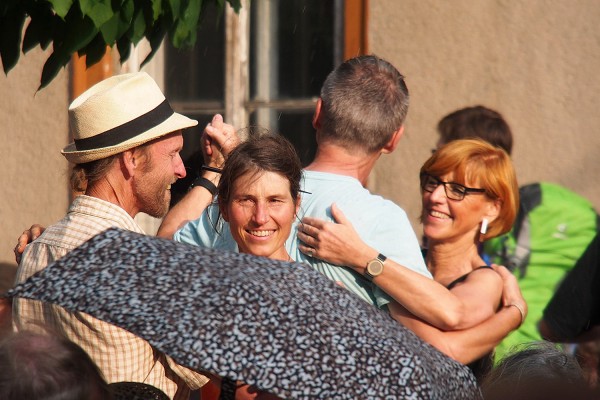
(117, 114)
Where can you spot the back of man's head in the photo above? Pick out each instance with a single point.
(37, 366)
(364, 101)
(476, 122)
(536, 370)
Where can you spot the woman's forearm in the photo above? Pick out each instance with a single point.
(465, 345)
(187, 209)
(420, 295)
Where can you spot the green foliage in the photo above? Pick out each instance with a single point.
(61, 7)
(10, 42)
(86, 27)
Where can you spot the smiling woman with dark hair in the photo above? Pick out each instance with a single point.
(259, 194)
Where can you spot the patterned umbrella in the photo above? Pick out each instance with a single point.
(282, 327)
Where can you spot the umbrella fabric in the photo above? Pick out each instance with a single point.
(282, 327)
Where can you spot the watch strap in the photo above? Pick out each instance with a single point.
(205, 183)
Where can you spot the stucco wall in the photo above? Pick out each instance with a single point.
(535, 61)
(33, 129)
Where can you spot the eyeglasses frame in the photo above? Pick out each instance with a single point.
(467, 190)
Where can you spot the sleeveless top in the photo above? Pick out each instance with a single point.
(482, 366)
(464, 277)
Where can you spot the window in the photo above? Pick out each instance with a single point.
(262, 67)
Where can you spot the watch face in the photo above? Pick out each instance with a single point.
(375, 267)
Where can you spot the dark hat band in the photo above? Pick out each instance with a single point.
(128, 130)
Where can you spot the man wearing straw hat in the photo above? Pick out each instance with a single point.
(126, 148)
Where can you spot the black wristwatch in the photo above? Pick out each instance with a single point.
(375, 267)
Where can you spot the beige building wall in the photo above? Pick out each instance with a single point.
(33, 129)
(535, 61)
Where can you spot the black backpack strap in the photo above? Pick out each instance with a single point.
(530, 197)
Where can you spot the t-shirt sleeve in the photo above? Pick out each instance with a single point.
(208, 231)
(575, 307)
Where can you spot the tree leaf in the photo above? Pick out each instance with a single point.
(10, 40)
(100, 11)
(157, 9)
(80, 30)
(94, 51)
(236, 5)
(124, 47)
(86, 5)
(138, 27)
(32, 35)
(7, 5)
(184, 34)
(127, 11)
(61, 7)
(155, 37)
(175, 6)
(59, 29)
(51, 68)
(39, 29)
(191, 14)
(110, 29)
(81, 25)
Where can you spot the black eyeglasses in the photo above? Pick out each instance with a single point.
(454, 191)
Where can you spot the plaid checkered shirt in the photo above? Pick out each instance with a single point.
(120, 355)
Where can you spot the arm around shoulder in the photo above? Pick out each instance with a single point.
(339, 243)
(467, 345)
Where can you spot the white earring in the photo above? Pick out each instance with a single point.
(484, 224)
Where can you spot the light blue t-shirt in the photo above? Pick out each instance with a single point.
(379, 222)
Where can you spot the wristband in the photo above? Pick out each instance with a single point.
(205, 183)
(211, 169)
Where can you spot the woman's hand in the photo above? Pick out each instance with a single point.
(218, 140)
(511, 293)
(335, 242)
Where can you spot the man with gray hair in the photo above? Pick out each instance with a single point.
(358, 117)
(126, 148)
